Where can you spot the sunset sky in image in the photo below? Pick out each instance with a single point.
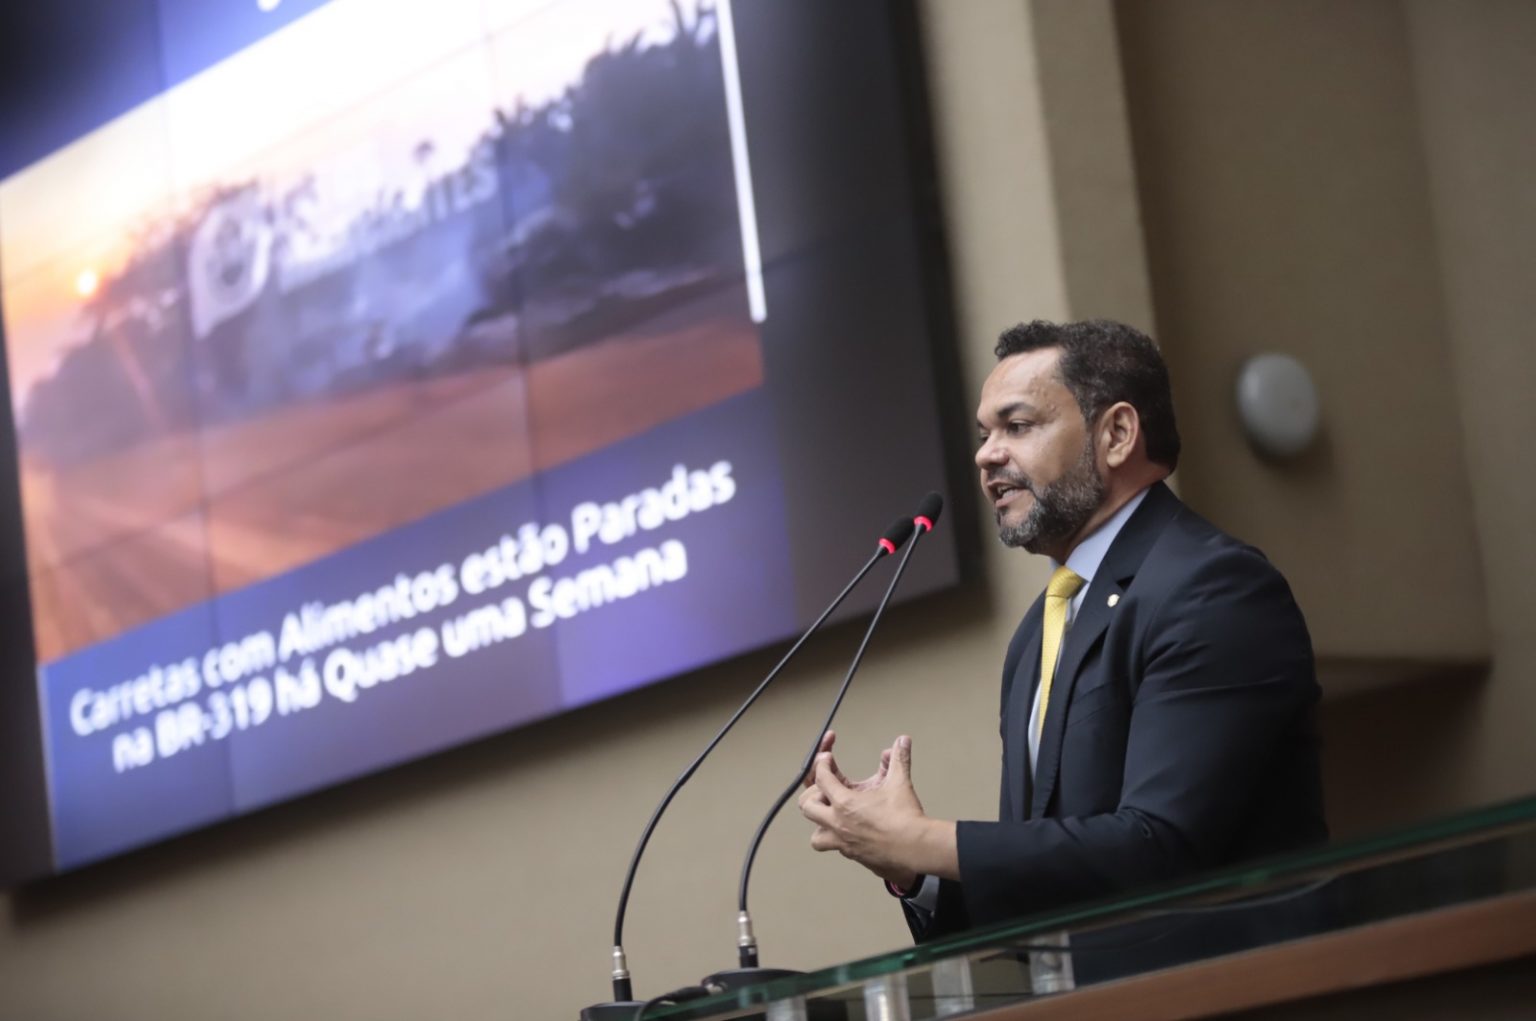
(346, 93)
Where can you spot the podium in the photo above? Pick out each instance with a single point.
(1436, 921)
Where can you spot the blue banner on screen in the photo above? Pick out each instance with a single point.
(605, 573)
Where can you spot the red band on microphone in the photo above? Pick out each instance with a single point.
(923, 522)
(888, 545)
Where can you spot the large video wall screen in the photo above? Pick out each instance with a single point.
(384, 374)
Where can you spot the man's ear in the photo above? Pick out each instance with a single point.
(1119, 431)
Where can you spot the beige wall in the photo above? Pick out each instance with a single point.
(481, 883)
(1407, 752)
(1351, 183)
(1287, 204)
(1475, 76)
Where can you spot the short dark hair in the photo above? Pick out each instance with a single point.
(1102, 363)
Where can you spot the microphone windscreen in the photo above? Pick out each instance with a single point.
(928, 511)
(897, 534)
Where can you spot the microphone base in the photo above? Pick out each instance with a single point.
(614, 1010)
(739, 978)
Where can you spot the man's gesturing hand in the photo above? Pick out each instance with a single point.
(825, 752)
(877, 822)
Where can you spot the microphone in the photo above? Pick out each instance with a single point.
(748, 972)
(624, 1006)
(928, 512)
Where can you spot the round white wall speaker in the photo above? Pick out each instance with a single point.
(1278, 404)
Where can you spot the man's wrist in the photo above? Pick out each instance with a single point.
(934, 849)
(906, 885)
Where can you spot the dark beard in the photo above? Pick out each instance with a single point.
(1061, 509)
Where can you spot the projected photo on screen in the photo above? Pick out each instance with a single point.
(396, 373)
(328, 281)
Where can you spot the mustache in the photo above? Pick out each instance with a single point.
(1013, 479)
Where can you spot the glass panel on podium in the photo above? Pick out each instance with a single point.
(1450, 863)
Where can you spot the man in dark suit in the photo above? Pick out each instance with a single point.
(1157, 699)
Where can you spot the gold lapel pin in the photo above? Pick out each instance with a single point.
(1114, 597)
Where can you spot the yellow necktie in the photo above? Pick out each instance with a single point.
(1058, 593)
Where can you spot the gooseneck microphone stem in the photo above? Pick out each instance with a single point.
(623, 991)
(746, 940)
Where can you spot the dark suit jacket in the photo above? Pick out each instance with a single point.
(1180, 733)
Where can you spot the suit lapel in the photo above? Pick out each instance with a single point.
(1092, 619)
(1021, 695)
(1112, 578)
